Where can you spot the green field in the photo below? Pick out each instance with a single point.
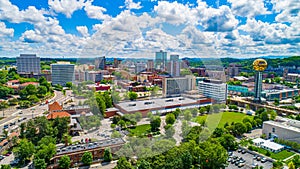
(219, 119)
(140, 130)
(276, 156)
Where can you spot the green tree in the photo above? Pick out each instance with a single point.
(115, 134)
(64, 162)
(187, 159)
(170, 118)
(155, 123)
(69, 85)
(132, 95)
(228, 142)
(3, 105)
(5, 166)
(248, 126)
(107, 155)
(5, 91)
(87, 158)
(239, 128)
(291, 165)
(107, 99)
(169, 130)
(143, 164)
(24, 150)
(212, 154)
(194, 112)
(123, 164)
(31, 89)
(41, 91)
(101, 103)
(39, 163)
(138, 116)
(276, 101)
(187, 115)
(45, 152)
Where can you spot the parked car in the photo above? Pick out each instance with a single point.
(241, 165)
(243, 151)
(263, 160)
(258, 158)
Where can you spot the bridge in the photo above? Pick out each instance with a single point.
(254, 106)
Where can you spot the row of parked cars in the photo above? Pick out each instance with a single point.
(238, 161)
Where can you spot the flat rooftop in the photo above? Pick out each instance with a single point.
(88, 146)
(134, 106)
(285, 125)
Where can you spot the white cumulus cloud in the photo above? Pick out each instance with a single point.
(66, 7)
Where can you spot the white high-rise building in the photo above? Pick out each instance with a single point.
(62, 72)
(214, 89)
(140, 67)
(28, 64)
(176, 86)
(174, 66)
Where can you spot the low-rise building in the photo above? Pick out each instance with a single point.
(281, 94)
(160, 106)
(268, 145)
(75, 152)
(286, 129)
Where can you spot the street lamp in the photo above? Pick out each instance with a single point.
(32, 110)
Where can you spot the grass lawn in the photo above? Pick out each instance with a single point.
(281, 155)
(276, 156)
(140, 130)
(219, 119)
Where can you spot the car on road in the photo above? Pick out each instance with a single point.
(5, 126)
(239, 150)
(2, 157)
(243, 151)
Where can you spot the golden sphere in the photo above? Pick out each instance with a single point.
(260, 65)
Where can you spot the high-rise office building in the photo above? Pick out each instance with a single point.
(233, 69)
(161, 60)
(100, 62)
(117, 62)
(214, 89)
(140, 67)
(174, 66)
(28, 64)
(62, 72)
(176, 86)
(150, 65)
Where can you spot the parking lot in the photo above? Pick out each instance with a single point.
(249, 160)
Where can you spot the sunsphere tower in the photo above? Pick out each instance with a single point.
(259, 65)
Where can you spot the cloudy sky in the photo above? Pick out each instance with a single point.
(131, 28)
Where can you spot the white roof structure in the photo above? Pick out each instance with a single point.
(258, 141)
(271, 145)
(267, 144)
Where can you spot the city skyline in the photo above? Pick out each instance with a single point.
(133, 29)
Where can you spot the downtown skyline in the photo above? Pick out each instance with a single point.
(137, 29)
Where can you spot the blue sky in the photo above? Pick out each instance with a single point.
(131, 28)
